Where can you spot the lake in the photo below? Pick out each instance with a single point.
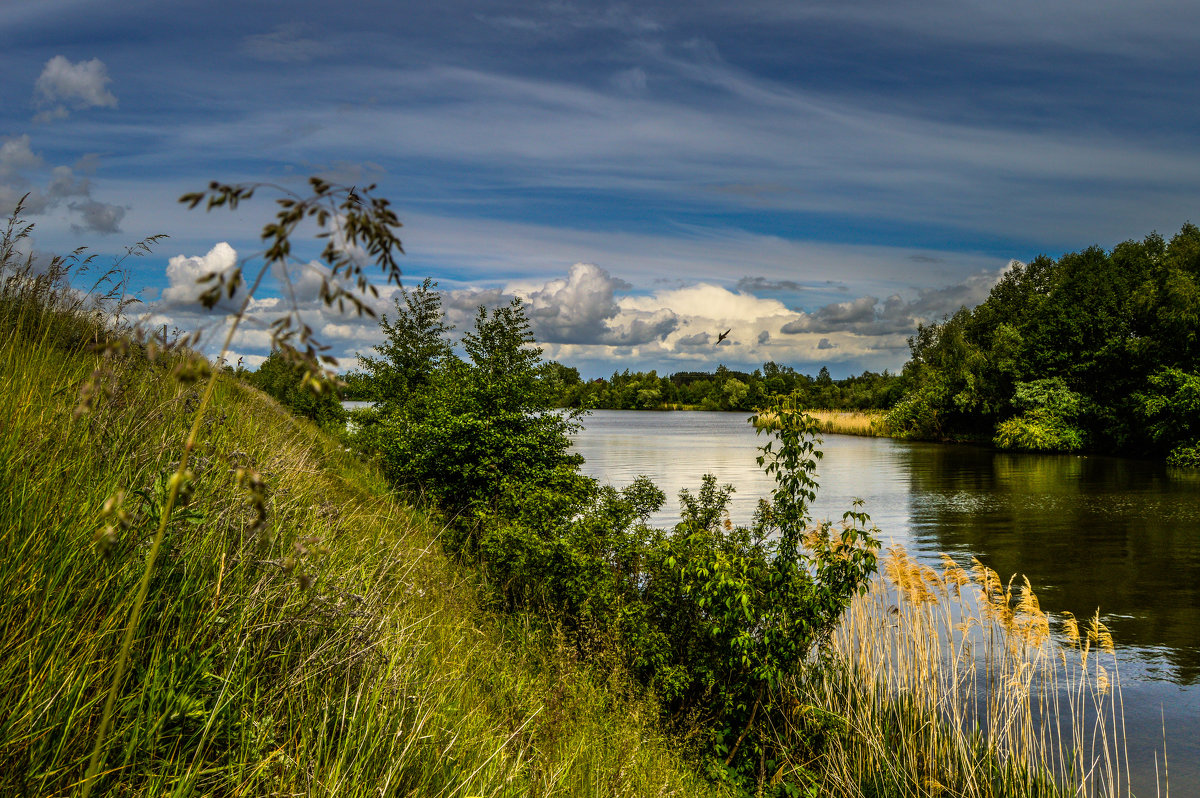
(1088, 531)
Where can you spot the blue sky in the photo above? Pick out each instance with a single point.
(817, 176)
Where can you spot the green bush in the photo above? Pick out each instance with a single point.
(1049, 421)
(293, 386)
(710, 617)
(1038, 431)
(1185, 456)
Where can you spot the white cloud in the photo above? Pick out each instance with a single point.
(80, 85)
(576, 309)
(710, 302)
(16, 155)
(183, 271)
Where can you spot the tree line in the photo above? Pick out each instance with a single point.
(725, 389)
(1097, 350)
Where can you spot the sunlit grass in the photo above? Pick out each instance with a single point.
(870, 423)
(333, 652)
(953, 684)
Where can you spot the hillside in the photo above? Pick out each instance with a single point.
(324, 647)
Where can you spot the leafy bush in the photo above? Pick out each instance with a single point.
(710, 617)
(1038, 431)
(1049, 421)
(475, 436)
(1169, 408)
(916, 415)
(1185, 456)
(294, 387)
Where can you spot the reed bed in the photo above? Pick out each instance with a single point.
(952, 684)
(868, 423)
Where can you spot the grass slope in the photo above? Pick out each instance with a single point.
(335, 651)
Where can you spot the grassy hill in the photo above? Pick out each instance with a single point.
(325, 647)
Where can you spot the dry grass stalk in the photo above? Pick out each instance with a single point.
(954, 685)
(868, 423)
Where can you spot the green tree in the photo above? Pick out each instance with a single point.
(477, 436)
(289, 383)
(415, 346)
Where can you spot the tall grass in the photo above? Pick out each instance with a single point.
(869, 423)
(952, 684)
(308, 638)
(329, 650)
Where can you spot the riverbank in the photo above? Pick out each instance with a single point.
(869, 423)
(302, 633)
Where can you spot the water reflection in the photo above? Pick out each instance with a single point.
(1121, 536)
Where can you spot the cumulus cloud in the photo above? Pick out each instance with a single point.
(16, 155)
(764, 337)
(576, 309)
(638, 328)
(63, 183)
(182, 272)
(711, 302)
(825, 344)
(868, 316)
(698, 339)
(64, 85)
(97, 217)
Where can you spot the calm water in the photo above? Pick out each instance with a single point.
(1089, 532)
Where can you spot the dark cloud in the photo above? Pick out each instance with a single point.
(642, 330)
(764, 337)
(763, 285)
(692, 341)
(824, 344)
(867, 316)
(98, 217)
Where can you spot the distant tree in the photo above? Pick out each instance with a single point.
(284, 379)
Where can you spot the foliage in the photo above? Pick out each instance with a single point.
(1094, 350)
(472, 435)
(1048, 423)
(711, 617)
(413, 349)
(1185, 456)
(284, 380)
(326, 648)
(724, 389)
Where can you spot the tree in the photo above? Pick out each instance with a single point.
(477, 436)
(414, 347)
(284, 380)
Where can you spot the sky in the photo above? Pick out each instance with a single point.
(816, 177)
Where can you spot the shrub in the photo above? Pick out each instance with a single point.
(1184, 456)
(1038, 431)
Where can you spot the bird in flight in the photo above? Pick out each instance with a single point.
(722, 336)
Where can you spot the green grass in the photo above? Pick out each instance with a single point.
(335, 652)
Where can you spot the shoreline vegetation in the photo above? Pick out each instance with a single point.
(866, 423)
(309, 622)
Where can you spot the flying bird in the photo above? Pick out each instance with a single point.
(722, 336)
